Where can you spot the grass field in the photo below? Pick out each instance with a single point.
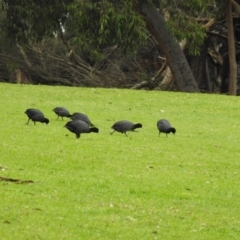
(104, 186)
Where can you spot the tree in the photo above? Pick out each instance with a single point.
(125, 24)
(175, 57)
(231, 50)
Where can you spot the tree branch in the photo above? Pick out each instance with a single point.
(236, 6)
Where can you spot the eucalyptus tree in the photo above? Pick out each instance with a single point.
(206, 13)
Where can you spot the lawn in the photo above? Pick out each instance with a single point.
(102, 186)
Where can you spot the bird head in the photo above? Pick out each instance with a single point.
(46, 120)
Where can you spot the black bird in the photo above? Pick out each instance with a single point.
(78, 127)
(164, 126)
(36, 116)
(83, 117)
(124, 126)
(61, 112)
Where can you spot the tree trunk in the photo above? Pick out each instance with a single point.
(176, 59)
(231, 50)
(199, 66)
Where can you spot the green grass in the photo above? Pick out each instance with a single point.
(104, 186)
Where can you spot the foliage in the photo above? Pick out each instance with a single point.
(97, 25)
(192, 31)
(187, 19)
(93, 25)
(32, 20)
(106, 186)
(90, 24)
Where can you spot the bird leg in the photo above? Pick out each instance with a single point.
(28, 121)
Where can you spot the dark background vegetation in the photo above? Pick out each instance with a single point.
(54, 60)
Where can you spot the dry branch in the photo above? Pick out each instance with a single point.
(19, 181)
